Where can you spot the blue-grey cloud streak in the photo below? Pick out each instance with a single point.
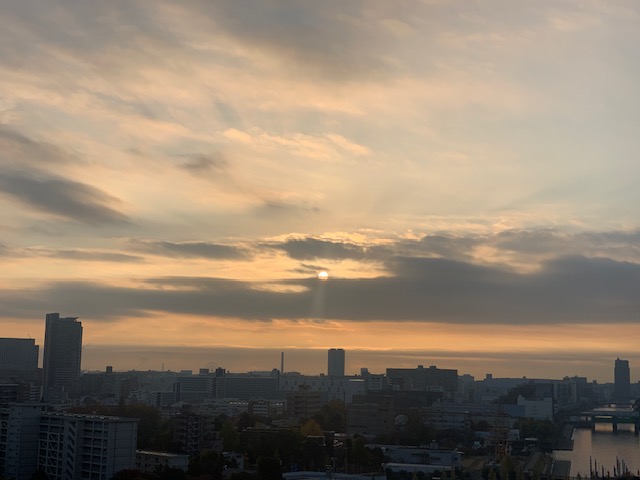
(62, 197)
(565, 290)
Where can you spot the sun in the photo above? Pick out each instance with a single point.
(323, 275)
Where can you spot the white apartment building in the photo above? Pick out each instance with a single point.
(64, 446)
(19, 433)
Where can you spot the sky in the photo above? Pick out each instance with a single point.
(176, 175)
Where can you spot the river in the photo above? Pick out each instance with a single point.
(602, 446)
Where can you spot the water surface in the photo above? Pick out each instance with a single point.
(602, 446)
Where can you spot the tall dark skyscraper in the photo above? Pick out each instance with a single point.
(335, 362)
(622, 381)
(62, 356)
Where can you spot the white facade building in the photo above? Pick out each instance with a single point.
(19, 432)
(64, 446)
(537, 409)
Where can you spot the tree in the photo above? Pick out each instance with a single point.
(230, 437)
(269, 468)
(166, 473)
(37, 475)
(311, 428)
(507, 468)
(208, 462)
(332, 416)
(543, 430)
(132, 474)
(149, 425)
(246, 420)
(242, 475)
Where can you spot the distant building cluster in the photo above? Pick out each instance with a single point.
(37, 432)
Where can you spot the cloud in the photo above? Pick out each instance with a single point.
(81, 255)
(17, 149)
(191, 249)
(270, 209)
(62, 197)
(319, 40)
(199, 164)
(533, 241)
(326, 147)
(448, 246)
(566, 290)
(309, 269)
(312, 249)
(536, 245)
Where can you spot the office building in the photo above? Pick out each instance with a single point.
(622, 381)
(335, 362)
(194, 388)
(62, 356)
(247, 386)
(430, 379)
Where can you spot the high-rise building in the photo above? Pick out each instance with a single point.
(335, 362)
(622, 381)
(62, 356)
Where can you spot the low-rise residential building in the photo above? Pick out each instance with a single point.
(148, 461)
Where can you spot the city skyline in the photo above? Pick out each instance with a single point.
(177, 176)
(307, 362)
(313, 362)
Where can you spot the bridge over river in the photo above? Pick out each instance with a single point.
(614, 415)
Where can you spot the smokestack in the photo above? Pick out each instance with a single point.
(282, 362)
